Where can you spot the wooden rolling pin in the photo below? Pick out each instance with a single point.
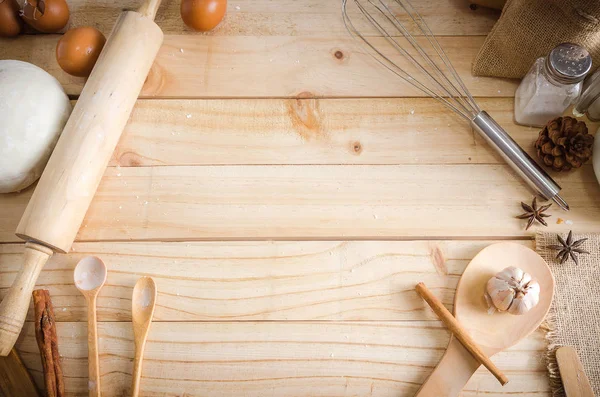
(69, 182)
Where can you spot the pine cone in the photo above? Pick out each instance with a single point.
(564, 143)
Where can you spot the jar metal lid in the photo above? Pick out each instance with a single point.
(589, 94)
(568, 63)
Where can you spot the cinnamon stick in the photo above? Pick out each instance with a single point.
(47, 340)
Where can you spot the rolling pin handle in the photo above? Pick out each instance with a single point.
(149, 8)
(15, 304)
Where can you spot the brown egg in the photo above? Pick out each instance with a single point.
(10, 23)
(46, 16)
(77, 50)
(203, 15)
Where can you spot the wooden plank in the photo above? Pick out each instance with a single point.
(267, 66)
(310, 131)
(15, 380)
(233, 281)
(281, 359)
(315, 202)
(287, 18)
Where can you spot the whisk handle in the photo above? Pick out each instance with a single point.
(516, 157)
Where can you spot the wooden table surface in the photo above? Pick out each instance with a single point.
(287, 194)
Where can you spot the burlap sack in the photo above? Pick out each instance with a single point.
(529, 29)
(574, 318)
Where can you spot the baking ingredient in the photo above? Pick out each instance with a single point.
(10, 22)
(513, 291)
(203, 15)
(78, 49)
(533, 213)
(552, 84)
(34, 109)
(537, 100)
(569, 248)
(46, 16)
(47, 340)
(564, 144)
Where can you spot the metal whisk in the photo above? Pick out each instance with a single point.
(425, 66)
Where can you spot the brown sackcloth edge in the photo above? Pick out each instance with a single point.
(549, 328)
(574, 316)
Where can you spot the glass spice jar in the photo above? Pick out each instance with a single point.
(589, 101)
(552, 84)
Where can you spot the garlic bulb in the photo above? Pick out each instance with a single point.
(512, 290)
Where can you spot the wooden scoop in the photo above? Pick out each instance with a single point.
(492, 333)
(89, 276)
(142, 309)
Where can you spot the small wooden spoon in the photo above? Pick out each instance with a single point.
(575, 382)
(492, 333)
(89, 277)
(142, 309)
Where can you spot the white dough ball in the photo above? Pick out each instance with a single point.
(33, 111)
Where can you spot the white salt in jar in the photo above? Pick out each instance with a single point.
(552, 84)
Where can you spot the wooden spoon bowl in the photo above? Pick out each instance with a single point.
(492, 333)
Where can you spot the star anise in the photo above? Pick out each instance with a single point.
(568, 248)
(534, 213)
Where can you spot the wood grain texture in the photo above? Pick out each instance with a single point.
(310, 131)
(315, 202)
(279, 66)
(460, 333)
(78, 161)
(235, 281)
(283, 18)
(15, 379)
(283, 359)
(572, 373)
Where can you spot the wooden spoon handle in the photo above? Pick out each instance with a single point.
(574, 380)
(137, 370)
(451, 374)
(93, 362)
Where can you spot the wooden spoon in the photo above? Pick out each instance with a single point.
(142, 309)
(492, 333)
(575, 382)
(89, 277)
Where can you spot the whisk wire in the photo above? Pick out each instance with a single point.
(396, 23)
(454, 95)
(427, 67)
(424, 28)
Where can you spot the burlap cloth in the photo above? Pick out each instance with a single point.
(529, 29)
(574, 318)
